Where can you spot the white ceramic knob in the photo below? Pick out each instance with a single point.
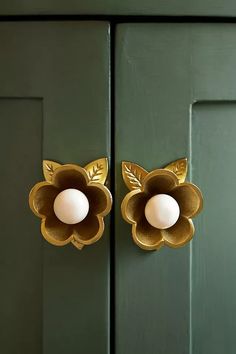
(71, 206)
(162, 211)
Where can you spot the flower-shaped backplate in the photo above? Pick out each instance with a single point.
(89, 180)
(143, 186)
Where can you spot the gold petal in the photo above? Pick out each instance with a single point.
(133, 206)
(70, 176)
(97, 170)
(100, 199)
(56, 232)
(146, 236)
(189, 198)
(179, 234)
(41, 199)
(89, 230)
(160, 181)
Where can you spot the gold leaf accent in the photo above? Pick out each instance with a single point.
(48, 169)
(78, 245)
(133, 175)
(180, 168)
(97, 170)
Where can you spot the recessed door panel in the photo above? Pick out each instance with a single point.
(213, 260)
(21, 252)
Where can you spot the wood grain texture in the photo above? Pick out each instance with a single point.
(116, 7)
(162, 70)
(66, 65)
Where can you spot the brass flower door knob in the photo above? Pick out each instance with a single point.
(72, 202)
(160, 205)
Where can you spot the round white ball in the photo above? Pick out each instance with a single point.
(71, 206)
(162, 211)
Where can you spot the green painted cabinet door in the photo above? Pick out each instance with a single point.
(54, 104)
(176, 97)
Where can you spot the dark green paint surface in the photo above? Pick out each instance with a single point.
(21, 254)
(214, 256)
(122, 7)
(175, 97)
(178, 301)
(65, 67)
